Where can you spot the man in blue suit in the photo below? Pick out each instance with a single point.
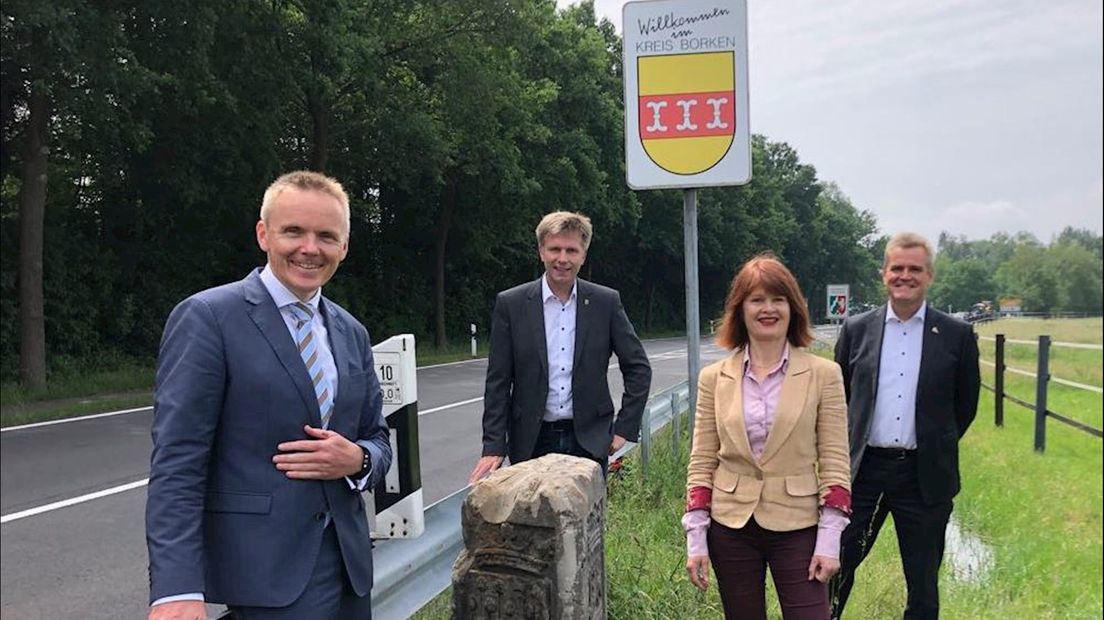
(267, 426)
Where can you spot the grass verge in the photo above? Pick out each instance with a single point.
(1038, 515)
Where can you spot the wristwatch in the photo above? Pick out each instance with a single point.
(365, 465)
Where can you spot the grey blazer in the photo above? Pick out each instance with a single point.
(517, 372)
(946, 395)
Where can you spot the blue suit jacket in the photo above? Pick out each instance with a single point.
(220, 518)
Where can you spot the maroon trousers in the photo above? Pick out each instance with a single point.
(740, 558)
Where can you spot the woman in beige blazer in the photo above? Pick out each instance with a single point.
(769, 477)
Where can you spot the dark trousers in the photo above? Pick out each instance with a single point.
(888, 484)
(328, 596)
(740, 558)
(559, 438)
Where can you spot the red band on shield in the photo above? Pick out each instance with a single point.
(687, 115)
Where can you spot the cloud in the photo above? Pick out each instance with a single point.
(1044, 218)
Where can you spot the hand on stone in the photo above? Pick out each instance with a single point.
(484, 467)
(698, 568)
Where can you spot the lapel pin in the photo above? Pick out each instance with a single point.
(935, 329)
(586, 302)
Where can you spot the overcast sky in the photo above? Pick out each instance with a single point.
(970, 117)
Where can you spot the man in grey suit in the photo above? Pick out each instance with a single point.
(551, 341)
(912, 382)
(267, 426)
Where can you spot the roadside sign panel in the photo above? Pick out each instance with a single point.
(839, 301)
(686, 93)
(396, 504)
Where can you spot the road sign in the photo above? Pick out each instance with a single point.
(686, 93)
(839, 298)
(397, 499)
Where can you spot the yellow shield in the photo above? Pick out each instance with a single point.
(687, 109)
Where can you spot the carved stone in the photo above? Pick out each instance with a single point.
(533, 544)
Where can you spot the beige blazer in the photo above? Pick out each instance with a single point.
(806, 451)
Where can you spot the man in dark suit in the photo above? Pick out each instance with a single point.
(267, 426)
(912, 382)
(551, 340)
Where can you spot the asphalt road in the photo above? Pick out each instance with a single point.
(88, 559)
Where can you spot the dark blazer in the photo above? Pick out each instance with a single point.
(517, 372)
(220, 518)
(946, 396)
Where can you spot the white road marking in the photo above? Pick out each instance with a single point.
(450, 406)
(84, 417)
(15, 516)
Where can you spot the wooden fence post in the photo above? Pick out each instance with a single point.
(998, 383)
(1042, 376)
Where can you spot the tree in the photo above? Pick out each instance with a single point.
(1028, 275)
(959, 284)
(62, 63)
(1083, 237)
(1078, 274)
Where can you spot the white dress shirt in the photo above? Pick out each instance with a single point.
(559, 338)
(894, 423)
(285, 299)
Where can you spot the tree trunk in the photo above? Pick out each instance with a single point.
(32, 215)
(444, 224)
(648, 306)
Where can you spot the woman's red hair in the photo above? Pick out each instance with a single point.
(766, 271)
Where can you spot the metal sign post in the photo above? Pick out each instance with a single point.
(693, 330)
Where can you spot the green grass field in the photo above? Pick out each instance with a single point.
(1080, 365)
(1064, 330)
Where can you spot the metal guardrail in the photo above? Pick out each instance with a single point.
(409, 573)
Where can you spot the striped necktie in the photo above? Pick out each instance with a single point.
(308, 350)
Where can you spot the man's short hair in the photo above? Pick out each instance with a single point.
(559, 222)
(906, 240)
(308, 181)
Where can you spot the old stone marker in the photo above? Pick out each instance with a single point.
(533, 543)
